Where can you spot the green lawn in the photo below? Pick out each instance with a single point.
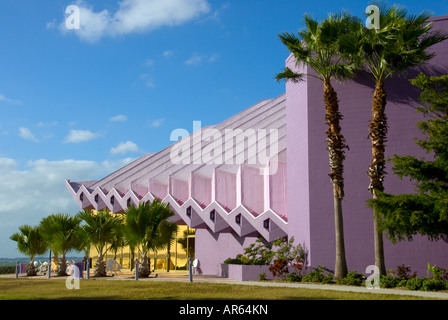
(100, 289)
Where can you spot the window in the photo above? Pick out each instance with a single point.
(189, 212)
(96, 198)
(81, 196)
(212, 215)
(266, 224)
(129, 202)
(238, 219)
(112, 200)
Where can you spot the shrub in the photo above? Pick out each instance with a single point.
(352, 279)
(262, 277)
(279, 260)
(317, 275)
(414, 283)
(236, 260)
(402, 283)
(328, 278)
(404, 272)
(433, 284)
(438, 273)
(7, 269)
(279, 267)
(389, 281)
(257, 253)
(293, 277)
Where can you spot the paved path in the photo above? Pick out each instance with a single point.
(183, 277)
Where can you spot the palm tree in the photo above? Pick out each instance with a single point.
(100, 228)
(170, 229)
(399, 44)
(118, 240)
(30, 243)
(60, 232)
(147, 228)
(317, 47)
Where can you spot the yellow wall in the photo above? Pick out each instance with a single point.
(178, 255)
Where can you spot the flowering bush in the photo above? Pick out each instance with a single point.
(279, 255)
(279, 267)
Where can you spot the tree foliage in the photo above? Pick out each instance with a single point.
(100, 229)
(30, 243)
(147, 227)
(60, 232)
(317, 46)
(403, 216)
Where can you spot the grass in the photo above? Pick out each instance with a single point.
(100, 289)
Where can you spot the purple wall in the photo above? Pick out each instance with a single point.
(309, 190)
(298, 191)
(211, 249)
(310, 204)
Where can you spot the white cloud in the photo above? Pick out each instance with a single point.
(149, 62)
(197, 59)
(51, 24)
(30, 194)
(26, 134)
(119, 118)
(77, 136)
(2, 131)
(125, 147)
(213, 58)
(147, 80)
(156, 123)
(47, 124)
(168, 53)
(10, 101)
(216, 15)
(135, 16)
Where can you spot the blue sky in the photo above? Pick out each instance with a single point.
(79, 104)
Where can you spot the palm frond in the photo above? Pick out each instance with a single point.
(288, 75)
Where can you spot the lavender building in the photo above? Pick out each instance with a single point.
(214, 184)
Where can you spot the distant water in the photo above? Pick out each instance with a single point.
(13, 261)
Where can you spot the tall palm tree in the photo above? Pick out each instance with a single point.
(100, 228)
(317, 47)
(60, 232)
(30, 243)
(401, 42)
(147, 228)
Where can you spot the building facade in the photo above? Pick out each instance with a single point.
(264, 173)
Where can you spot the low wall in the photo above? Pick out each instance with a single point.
(243, 272)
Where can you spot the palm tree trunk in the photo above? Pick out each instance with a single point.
(336, 145)
(145, 269)
(62, 267)
(377, 134)
(168, 257)
(100, 267)
(31, 270)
